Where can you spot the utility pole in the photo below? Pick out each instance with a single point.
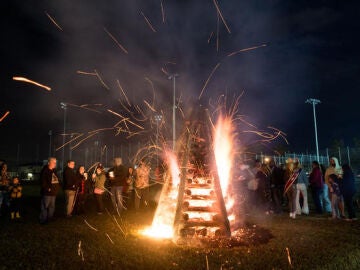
(64, 107)
(173, 77)
(314, 102)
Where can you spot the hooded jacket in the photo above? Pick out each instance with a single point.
(333, 170)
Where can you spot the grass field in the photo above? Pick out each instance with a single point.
(313, 242)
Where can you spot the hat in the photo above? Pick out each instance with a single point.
(100, 166)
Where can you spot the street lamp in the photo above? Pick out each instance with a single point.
(314, 102)
(64, 107)
(173, 77)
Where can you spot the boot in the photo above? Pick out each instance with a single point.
(12, 215)
(18, 215)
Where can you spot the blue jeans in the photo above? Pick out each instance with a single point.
(325, 199)
(117, 198)
(47, 208)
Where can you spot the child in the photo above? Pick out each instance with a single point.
(336, 196)
(15, 198)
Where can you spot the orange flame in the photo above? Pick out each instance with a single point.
(163, 222)
(223, 146)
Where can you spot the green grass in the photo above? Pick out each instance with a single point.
(314, 242)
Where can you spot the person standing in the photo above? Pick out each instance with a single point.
(317, 185)
(336, 169)
(81, 187)
(4, 186)
(301, 188)
(277, 186)
(15, 190)
(70, 182)
(324, 196)
(99, 178)
(142, 184)
(290, 178)
(336, 196)
(118, 176)
(348, 190)
(49, 182)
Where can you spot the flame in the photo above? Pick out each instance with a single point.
(162, 225)
(223, 145)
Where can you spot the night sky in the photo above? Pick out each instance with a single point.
(311, 51)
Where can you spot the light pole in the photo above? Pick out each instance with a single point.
(173, 77)
(314, 102)
(64, 107)
(158, 119)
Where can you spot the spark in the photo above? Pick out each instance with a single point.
(162, 11)
(211, 34)
(207, 262)
(84, 107)
(85, 73)
(116, 41)
(91, 227)
(72, 148)
(288, 256)
(123, 105)
(101, 80)
(117, 114)
(246, 49)
(153, 90)
(57, 149)
(123, 92)
(208, 79)
(93, 166)
(100, 129)
(148, 22)
(80, 251)
(150, 107)
(117, 223)
(164, 71)
(134, 133)
(53, 21)
(4, 116)
(222, 18)
(112, 242)
(32, 82)
(126, 119)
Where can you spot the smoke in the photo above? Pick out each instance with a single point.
(276, 79)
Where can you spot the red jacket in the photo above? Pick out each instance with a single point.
(316, 178)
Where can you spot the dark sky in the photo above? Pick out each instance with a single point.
(312, 51)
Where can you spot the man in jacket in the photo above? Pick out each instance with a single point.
(118, 180)
(70, 185)
(49, 188)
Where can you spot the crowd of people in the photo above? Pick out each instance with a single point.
(10, 193)
(270, 188)
(79, 186)
(118, 181)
